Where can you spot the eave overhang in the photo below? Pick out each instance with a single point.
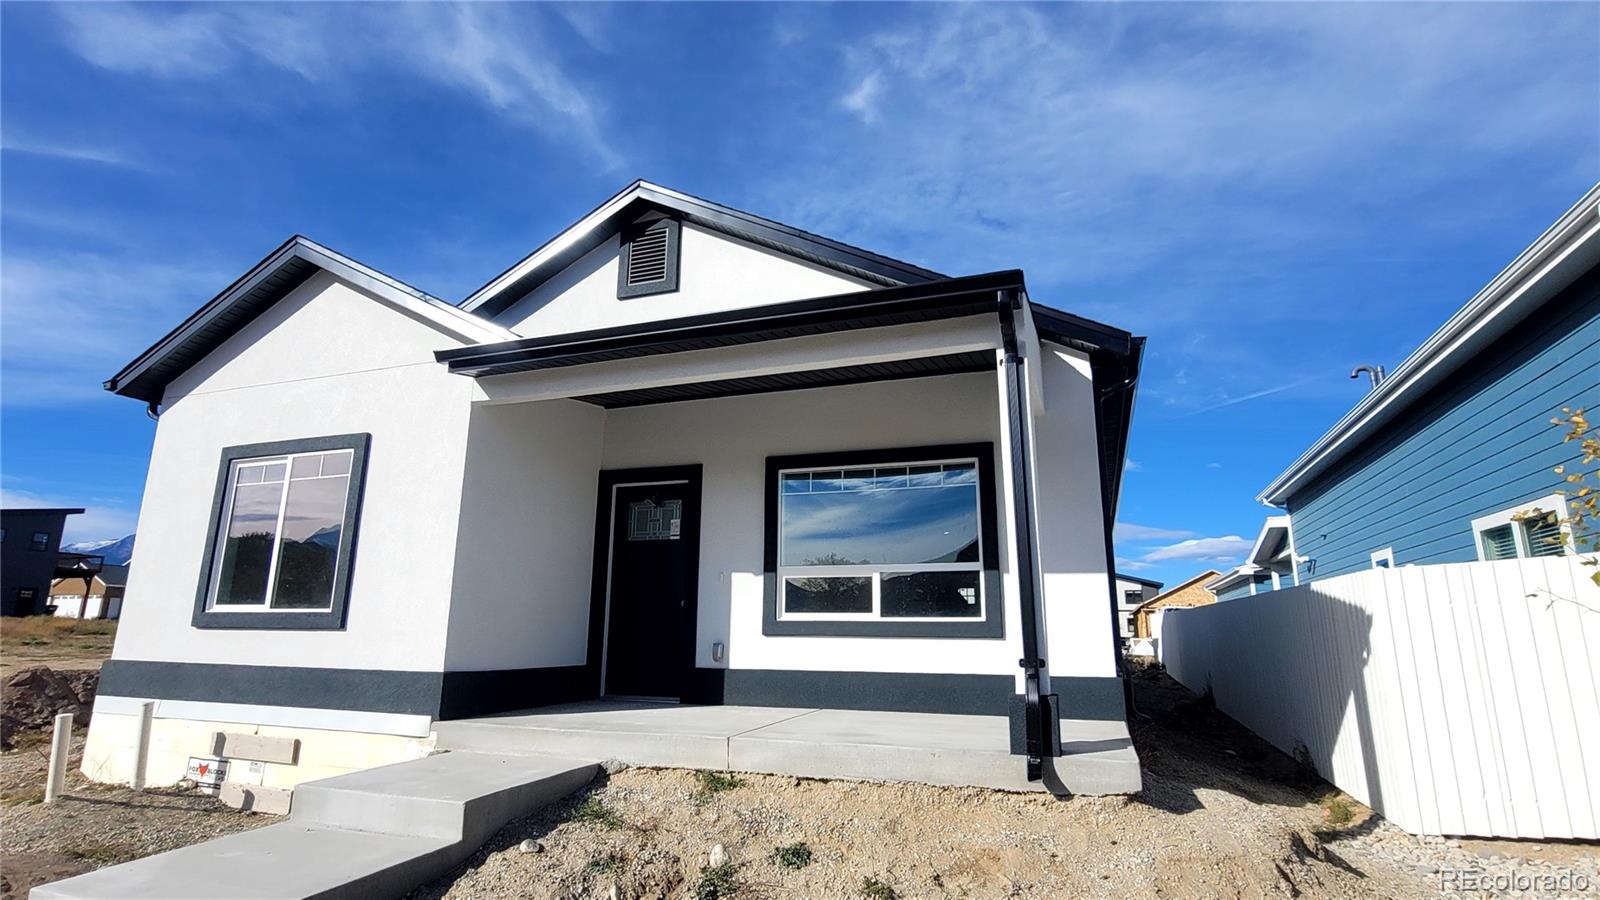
(932, 301)
(643, 197)
(1559, 257)
(267, 282)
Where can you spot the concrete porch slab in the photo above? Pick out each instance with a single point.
(637, 732)
(958, 750)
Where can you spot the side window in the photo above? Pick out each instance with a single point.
(283, 534)
(40, 541)
(1524, 531)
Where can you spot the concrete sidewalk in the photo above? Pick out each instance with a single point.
(818, 743)
(376, 833)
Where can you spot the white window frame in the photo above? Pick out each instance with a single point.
(218, 551)
(876, 572)
(1555, 503)
(1384, 555)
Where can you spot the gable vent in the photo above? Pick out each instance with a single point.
(648, 259)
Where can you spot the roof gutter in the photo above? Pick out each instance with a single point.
(1549, 264)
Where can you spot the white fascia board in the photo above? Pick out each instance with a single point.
(1241, 573)
(799, 354)
(1272, 524)
(429, 309)
(1558, 257)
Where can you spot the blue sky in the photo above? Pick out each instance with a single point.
(1272, 193)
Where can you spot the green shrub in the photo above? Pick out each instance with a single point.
(793, 856)
(713, 783)
(717, 882)
(595, 812)
(603, 865)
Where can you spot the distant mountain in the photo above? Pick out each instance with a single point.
(117, 552)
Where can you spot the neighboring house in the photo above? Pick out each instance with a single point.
(1435, 463)
(1131, 593)
(103, 599)
(30, 540)
(1190, 593)
(679, 451)
(1268, 566)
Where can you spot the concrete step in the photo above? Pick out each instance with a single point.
(376, 833)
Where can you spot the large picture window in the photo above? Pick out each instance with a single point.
(282, 534)
(895, 542)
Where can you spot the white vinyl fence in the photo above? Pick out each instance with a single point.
(1454, 699)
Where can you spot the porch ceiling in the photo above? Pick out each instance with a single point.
(949, 364)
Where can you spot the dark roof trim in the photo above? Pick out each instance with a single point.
(627, 205)
(1137, 580)
(43, 509)
(1076, 331)
(268, 281)
(949, 298)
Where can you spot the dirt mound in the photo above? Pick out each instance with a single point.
(32, 698)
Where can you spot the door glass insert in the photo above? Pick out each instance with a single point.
(649, 521)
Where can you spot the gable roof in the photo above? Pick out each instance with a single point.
(1137, 580)
(1207, 575)
(641, 197)
(267, 282)
(1564, 252)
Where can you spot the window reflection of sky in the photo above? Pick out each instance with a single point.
(894, 526)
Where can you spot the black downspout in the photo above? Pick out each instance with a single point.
(1038, 708)
(1104, 395)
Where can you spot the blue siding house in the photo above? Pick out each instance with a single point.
(1433, 463)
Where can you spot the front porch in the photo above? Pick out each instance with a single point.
(1097, 756)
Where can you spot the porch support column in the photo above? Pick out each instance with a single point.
(1039, 717)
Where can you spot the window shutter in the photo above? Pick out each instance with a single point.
(1499, 542)
(647, 262)
(1544, 537)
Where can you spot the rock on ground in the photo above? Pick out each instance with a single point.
(32, 698)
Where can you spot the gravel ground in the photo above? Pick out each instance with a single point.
(1222, 815)
(92, 825)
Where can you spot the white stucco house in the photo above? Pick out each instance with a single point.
(678, 451)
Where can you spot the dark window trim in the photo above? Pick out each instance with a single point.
(332, 618)
(992, 625)
(668, 283)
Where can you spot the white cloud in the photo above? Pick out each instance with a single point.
(69, 321)
(1206, 549)
(498, 53)
(863, 99)
(100, 520)
(10, 143)
(1102, 140)
(1129, 465)
(1127, 531)
(136, 38)
(1132, 565)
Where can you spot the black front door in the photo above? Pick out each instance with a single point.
(650, 626)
